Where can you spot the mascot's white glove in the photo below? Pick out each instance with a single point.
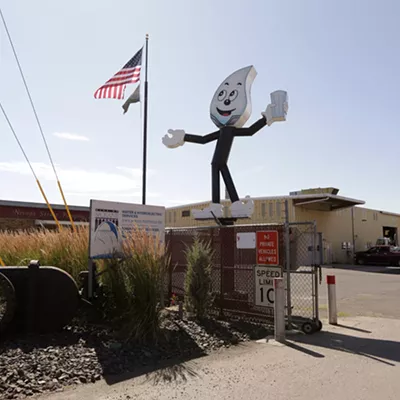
(277, 110)
(268, 114)
(175, 140)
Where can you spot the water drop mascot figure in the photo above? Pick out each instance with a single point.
(229, 110)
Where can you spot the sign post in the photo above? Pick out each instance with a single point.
(279, 307)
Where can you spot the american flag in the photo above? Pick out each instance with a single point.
(114, 88)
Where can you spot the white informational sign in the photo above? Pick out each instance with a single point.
(110, 221)
(246, 240)
(264, 284)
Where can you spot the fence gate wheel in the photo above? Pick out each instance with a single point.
(318, 325)
(308, 328)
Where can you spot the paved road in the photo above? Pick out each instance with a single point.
(368, 291)
(358, 362)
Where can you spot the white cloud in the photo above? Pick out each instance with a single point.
(83, 182)
(71, 136)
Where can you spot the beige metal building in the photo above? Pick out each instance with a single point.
(343, 225)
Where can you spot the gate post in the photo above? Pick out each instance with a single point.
(279, 309)
(287, 262)
(228, 258)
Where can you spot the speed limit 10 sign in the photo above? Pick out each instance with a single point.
(264, 284)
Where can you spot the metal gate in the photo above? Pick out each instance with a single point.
(302, 274)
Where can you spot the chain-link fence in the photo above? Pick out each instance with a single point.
(241, 274)
(233, 274)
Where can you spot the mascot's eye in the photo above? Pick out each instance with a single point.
(233, 95)
(221, 95)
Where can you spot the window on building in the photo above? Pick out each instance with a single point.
(174, 216)
(364, 215)
(278, 209)
(186, 213)
(263, 209)
(271, 209)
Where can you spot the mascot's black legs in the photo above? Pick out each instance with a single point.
(230, 186)
(216, 187)
(215, 184)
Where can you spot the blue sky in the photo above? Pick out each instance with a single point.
(338, 60)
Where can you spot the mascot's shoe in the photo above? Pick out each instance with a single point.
(215, 208)
(240, 209)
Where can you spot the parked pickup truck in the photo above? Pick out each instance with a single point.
(388, 255)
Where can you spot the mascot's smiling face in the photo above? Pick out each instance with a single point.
(231, 104)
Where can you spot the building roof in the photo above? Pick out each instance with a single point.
(325, 202)
(23, 204)
(305, 200)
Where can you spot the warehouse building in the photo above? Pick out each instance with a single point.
(343, 226)
(15, 215)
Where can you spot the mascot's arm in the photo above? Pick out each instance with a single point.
(251, 130)
(177, 137)
(201, 139)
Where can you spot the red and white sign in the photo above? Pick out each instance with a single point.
(268, 248)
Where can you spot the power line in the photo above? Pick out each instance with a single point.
(16, 138)
(37, 118)
(30, 165)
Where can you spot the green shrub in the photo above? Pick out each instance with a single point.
(198, 294)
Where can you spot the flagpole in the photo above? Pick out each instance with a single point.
(144, 171)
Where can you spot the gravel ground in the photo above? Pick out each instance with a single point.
(83, 354)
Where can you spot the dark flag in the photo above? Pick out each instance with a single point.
(133, 98)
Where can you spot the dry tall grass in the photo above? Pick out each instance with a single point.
(133, 286)
(136, 285)
(65, 249)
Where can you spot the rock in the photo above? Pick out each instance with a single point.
(82, 354)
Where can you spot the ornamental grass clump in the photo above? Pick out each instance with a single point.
(198, 290)
(135, 285)
(64, 249)
(131, 285)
